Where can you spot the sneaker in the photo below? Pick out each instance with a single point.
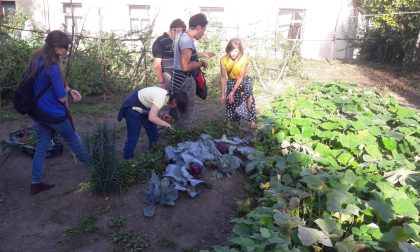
(39, 187)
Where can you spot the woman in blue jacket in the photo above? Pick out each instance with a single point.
(51, 113)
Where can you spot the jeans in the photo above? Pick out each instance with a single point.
(134, 120)
(185, 120)
(45, 133)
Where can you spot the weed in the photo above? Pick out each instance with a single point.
(166, 243)
(190, 249)
(128, 241)
(116, 222)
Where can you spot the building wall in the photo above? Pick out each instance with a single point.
(240, 19)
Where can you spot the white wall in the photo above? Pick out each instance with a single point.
(241, 18)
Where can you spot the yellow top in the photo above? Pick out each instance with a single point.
(233, 68)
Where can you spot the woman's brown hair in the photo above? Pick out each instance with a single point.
(235, 43)
(47, 54)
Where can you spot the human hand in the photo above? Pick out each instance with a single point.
(162, 85)
(209, 54)
(168, 126)
(222, 99)
(167, 118)
(75, 95)
(205, 64)
(230, 98)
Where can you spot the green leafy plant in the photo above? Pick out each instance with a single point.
(116, 222)
(338, 168)
(104, 167)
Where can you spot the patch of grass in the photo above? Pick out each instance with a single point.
(116, 222)
(88, 223)
(7, 116)
(87, 226)
(96, 109)
(128, 241)
(190, 249)
(167, 243)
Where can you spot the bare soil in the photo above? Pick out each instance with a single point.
(42, 222)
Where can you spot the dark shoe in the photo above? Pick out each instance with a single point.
(39, 187)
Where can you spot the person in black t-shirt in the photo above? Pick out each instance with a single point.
(163, 53)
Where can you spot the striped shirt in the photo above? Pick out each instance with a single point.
(182, 41)
(163, 48)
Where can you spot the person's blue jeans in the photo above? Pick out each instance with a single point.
(45, 133)
(134, 120)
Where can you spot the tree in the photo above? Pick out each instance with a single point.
(390, 31)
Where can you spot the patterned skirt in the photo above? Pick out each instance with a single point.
(234, 111)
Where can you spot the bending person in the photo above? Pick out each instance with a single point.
(142, 108)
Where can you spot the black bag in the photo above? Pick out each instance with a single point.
(200, 85)
(24, 99)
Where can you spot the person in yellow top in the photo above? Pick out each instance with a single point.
(236, 85)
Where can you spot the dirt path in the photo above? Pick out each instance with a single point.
(50, 220)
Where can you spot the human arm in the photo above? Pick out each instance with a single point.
(157, 52)
(186, 64)
(61, 90)
(154, 117)
(223, 79)
(238, 82)
(206, 54)
(157, 65)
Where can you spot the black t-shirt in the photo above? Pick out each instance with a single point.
(163, 48)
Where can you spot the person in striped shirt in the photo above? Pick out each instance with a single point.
(186, 63)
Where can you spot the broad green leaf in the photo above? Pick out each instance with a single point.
(265, 232)
(302, 121)
(347, 245)
(322, 149)
(349, 177)
(413, 230)
(339, 201)
(243, 241)
(313, 182)
(382, 209)
(389, 143)
(329, 226)
(407, 247)
(344, 158)
(395, 135)
(375, 130)
(373, 151)
(366, 138)
(348, 141)
(309, 236)
(404, 207)
(390, 192)
(406, 112)
(329, 125)
(396, 234)
(350, 109)
(242, 229)
(293, 130)
(307, 132)
(281, 135)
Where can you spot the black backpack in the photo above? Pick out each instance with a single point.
(24, 99)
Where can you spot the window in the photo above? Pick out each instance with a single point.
(6, 7)
(139, 16)
(214, 15)
(289, 23)
(73, 12)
